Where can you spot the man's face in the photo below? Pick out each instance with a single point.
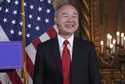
(67, 20)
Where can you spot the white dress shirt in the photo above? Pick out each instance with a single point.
(70, 45)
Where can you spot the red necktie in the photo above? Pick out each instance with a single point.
(66, 59)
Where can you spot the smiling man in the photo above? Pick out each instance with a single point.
(66, 59)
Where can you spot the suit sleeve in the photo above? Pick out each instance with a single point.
(39, 69)
(94, 74)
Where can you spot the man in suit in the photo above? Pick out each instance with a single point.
(66, 59)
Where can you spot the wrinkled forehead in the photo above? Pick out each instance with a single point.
(67, 8)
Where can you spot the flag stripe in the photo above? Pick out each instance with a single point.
(4, 77)
(30, 81)
(29, 66)
(44, 37)
(52, 32)
(14, 78)
(36, 42)
(31, 52)
(3, 36)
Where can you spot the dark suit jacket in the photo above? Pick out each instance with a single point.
(48, 67)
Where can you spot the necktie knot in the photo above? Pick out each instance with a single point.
(66, 42)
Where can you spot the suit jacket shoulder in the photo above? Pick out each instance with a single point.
(84, 43)
(47, 43)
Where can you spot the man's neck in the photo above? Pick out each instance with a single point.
(66, 36)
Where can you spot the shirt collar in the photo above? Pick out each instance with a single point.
(61, 40)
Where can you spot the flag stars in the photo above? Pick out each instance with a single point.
(19, 33)
(8, 1)
(25, 4)
(21, 23)
(16, 2)
(49, 1)
(5, 20)
(28, 35)
(41, 0)
(48, 10)
(38, 18)
(29, 25)
(31, 7)
(0, 8)
(34, 17)
(30, 16)
(47, 20)
(39, 9)
(37, 28)
(14, 12)
(6, 10)
(13, 21)
(11, 31)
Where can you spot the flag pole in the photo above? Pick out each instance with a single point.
(25, 74)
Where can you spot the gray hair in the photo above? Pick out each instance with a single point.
(65, 2)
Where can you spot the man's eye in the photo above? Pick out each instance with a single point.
(75, 16)
(65, 15)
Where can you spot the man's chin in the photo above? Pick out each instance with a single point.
(68, 33)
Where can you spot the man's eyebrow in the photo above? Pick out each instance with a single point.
(64, 13)
(67, 13)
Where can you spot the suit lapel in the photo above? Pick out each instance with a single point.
(57, 55)
(75, 51)
(75, 58)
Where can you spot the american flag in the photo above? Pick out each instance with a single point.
(39, 15)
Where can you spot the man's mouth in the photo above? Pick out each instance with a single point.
(69, 25)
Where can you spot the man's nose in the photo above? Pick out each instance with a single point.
(70, 20)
